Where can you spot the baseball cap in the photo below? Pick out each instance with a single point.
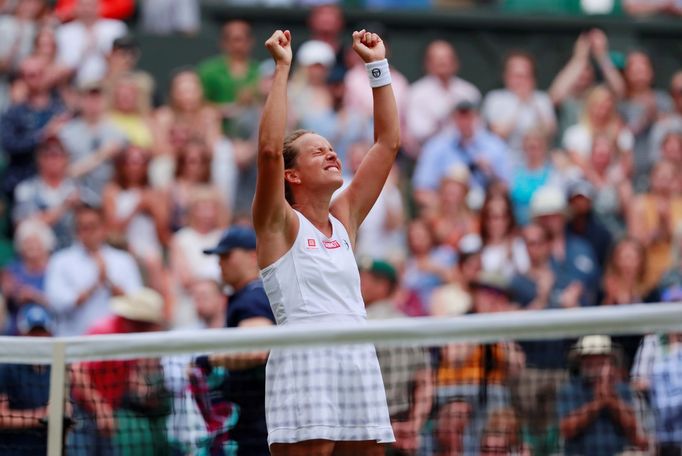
(145, 305)
(580, 187)
(126, 42)
(236, 237)
(32, 316)
(466, 105)
(593, 345)
(315, 51)
(548, 200)
(381, 269)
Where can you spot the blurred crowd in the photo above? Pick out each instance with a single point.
(519, 198)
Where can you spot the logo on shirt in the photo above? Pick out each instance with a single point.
(345, 242)
(333, 244)
(312, 244)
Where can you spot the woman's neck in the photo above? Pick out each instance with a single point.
(316, 210)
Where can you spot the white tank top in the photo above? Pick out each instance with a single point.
(317, 279)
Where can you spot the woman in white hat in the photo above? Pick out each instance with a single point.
(320, 400)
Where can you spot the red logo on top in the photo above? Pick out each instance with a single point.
(333, 244)
(312, 244)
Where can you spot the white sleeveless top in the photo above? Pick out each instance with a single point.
(317, 279)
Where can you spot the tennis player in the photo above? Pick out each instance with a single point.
(320, 401)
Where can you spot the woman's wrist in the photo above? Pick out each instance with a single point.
(378, 72)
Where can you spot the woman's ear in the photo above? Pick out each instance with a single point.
(291, 176)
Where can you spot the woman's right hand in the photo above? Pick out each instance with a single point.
(279, 46)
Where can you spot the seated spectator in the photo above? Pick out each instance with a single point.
(535, 171)
(586, 223)
(163, 17)
(137, 215)
(655, 373)
(454, 297)
(642, 106)
(479, 374)
(26, 124)
(187, 263)
(122, 62)
(519, 107)
(109, 9)
(23, 280)
(503, 250)
(57, 75)
(51, 195)
(81, 279)
(668, 122)
(210, 303)
(574, 256)
(451, 218)
(308, 91)
(433, 97)
(671, 150)
(452, 421)
(85, 42)
(502, 434)
(122, 404)
(669, 289)
(17, 36)
(653, 219)
(92, 142)
(326, 23)
(336, 123)
(595, 411)
(573, 83)
(24, 392)
(129, 112)
(599, 117)
(469, 143)
(230, 80)
(406, 370)
(193, 172)
(624, 274)
(428, 265)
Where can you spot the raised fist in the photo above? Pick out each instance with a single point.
(368, 46)
(279, 46)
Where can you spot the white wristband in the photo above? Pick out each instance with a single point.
(378, 73)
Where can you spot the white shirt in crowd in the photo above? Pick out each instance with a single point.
(578, 139)
(72, 271)
(86, 49)
(430, 104)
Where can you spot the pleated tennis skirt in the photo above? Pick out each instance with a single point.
(331, 393)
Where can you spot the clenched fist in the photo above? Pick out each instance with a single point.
(279, 46)
(368, 46)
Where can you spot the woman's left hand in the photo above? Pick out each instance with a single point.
(368, 46)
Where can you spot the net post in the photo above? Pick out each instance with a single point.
(55, 411)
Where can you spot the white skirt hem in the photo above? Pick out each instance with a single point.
(381, 434)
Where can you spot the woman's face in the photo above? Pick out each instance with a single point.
(135, 166)
(205, 215)
(638, 71)
(186, 92)
(452, 193)
(195, 163)
(535, 148)
(125, 97)
(45, 44)
(419, 238)
(317, 165)
(601, 108)
(602, 152)
(317, 74)
(663, 179)
(628, 260)
(518, 75)
(671, 149)
(498, 219)
(32, 248)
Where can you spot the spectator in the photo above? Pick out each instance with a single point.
(187, 264)
(502, 434)
(230, 80)
(650, 7)
(326, 24)
(122, 404)
(406, 370)
(512, 111)
(599, 117)
(642, 105)
(121, 62)
(193, 172)
(210, 303)
(248, 307)
(452, 421)
(478, 374)
(586, 223)
(595, 411)
(24, 392)
(469, 143)
(503, 251)
(569, 253)
(454, 298)
(669, 122)
(51, 195)
(57, 76)
(65, 10)
(137, 216)
(85, 42)
(653, 219)
(535, 171)
(81, 279)
(573, 83)
(309, 94)
(129, 111)
(92, 142)
(671, 150)
(337, 123)
(451, 218)
(428, 265)
(23, 280)
(28, 123)
(17, 36)
(670, 287)
(382, 233)
(433, 97)
(655, 373)
(163, 17)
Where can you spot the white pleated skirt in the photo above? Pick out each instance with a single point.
(331, 393)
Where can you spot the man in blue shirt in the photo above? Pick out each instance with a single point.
(468, 142)
(248, 306)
